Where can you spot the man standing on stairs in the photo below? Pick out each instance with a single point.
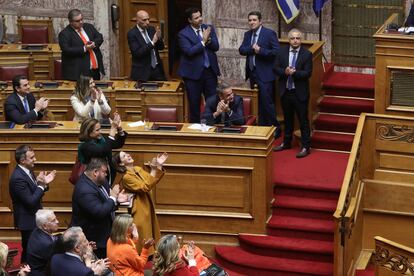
(294, 68)
(260, 46)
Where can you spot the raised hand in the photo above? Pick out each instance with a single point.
(161, 158)
(24, 270)
(189, 251)
(116, 121)
(114, 191)
(134, 232)
(256, 48)
(122, 197)
(206, 34)
(100, 266)
(148, 243)
(157, 35)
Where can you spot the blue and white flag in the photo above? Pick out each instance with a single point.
(289, 9)
(318, 5)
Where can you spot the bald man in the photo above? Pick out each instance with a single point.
(144, 42)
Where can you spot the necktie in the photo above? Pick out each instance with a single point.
(252, 58)
(33, 177)
(26, 105)
(91, 53)
(153, 55)
(206, 60)
(293, 64)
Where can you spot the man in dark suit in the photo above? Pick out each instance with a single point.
(294, 68)
(21, 106)
(80, 44)
(144, 42)
(78, 256)
(226, 108)
(198, 67)
(26, 192)
(260, 46)
(94, 204)
(41, 244)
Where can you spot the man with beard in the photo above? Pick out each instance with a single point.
(94, 204)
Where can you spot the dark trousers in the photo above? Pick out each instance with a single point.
(267, 108)
(95, 74)
(291, 105)
(206, 85)
(25, 239)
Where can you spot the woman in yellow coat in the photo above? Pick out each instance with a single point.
(139, 182)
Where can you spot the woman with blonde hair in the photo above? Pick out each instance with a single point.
(168, 262)
(4, 251)
(121, 248)
(139, 182)
(88, 101)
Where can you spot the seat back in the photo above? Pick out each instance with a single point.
(35, 35)
(162, 114)
(7, 72)
(57, 69)
(35, 31)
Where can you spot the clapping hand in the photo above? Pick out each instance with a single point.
(161, 158)
(157, 35)
(44, 178)
(189, 251)
(148, 243)
(134, 232)
(206, 34)
(116, 121)
(100, 266)
(114, 192)
(24, 270)
(256, 48)
(122, 197)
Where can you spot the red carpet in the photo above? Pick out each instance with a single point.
(299, 238)
(345, 94)
(300, 231)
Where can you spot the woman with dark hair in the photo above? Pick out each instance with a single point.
(139, 182)
(95, 145)
(121, 248)
(88, 101)
(167, 260)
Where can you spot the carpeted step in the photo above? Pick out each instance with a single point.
(332, 141)
(352, 81)
(336, 122)
(302, 228)
(305, 203)
(310, 172)
(369, 94)
(345, 105)
(301, 213)
(305, 193)
(245, 262)
(285, 247)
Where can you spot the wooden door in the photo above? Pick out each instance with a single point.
(157, 10)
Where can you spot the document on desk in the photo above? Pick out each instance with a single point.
(201, 127)
(136, 124)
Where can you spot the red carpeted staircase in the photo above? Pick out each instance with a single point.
(347, 95)
(299, 238)
(300, 232)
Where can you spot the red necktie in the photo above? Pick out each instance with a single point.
(91, 53)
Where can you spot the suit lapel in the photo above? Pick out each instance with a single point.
(28, 179)
(192, 35)
(299, 58)
(19, 103)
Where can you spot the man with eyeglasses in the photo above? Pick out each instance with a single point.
(294, 68)
(80, 44)
(144, 42)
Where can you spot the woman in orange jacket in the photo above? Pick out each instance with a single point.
(121, 248)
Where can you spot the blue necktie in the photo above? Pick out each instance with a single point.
(293, 64)
(206, 60)
(26, 105)
(252, 58)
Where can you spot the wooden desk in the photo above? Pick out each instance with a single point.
(40, 57)
(122, 96)
(216, 184)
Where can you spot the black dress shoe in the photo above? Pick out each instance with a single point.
(303, 153)
(281, 147)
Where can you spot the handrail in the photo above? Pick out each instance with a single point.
(392, 19)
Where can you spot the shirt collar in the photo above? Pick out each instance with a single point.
(27, 171)
(21, 97)
(258, 30)
(140, 29)
(196, 30)
(291, 49)
(73, 255)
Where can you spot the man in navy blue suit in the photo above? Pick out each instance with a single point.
(225, 108)
(260, 46)
(21, 106)
(41, 244)
(144, 42)
(78, 256)
(26, 192)
(294, 68)
(94, 204)
(198, 67)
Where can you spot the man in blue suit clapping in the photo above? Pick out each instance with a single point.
(198, 67)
